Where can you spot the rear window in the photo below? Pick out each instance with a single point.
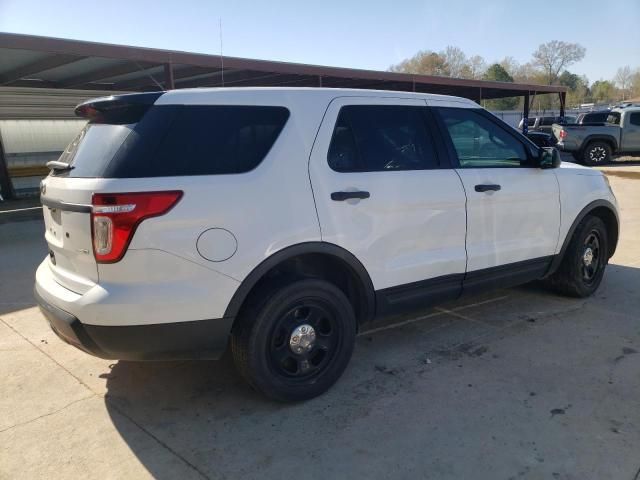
(177, 140)
(595, 117)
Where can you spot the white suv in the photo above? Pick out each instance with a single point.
(282, 220)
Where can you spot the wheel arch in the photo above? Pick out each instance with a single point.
(312, 259)
(602, 209)
(611, 141)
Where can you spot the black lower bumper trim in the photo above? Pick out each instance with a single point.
(200, 339)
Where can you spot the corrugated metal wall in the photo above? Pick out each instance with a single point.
(17, 103)
(36, 124)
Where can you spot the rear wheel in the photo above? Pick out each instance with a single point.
(584, 261)
(597, 153)
(294, 342)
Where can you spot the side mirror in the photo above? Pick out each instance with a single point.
(549, 158)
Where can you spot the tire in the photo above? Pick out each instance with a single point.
(597, 153)
(276, 352)
(574, 276)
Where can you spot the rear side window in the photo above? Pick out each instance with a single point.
(177, 140)
(207, 140)
(614, 118)
(634, 118)
(375, 138)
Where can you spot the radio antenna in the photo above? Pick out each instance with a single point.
(221, 57)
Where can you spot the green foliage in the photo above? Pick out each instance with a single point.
(603, 91)
(497, 73)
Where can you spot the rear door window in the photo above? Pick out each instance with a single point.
(376, 138)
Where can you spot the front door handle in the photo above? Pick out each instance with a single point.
(342, 196)
(487, 188)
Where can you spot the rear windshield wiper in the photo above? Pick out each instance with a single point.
(58, 166)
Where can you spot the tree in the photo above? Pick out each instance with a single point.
(569, 79)
(623, 80)
(425, 62)
(578, 87)
(474, 68)
(497, 73)
(455, 60)
(555, 56)
(451, 62)
(635, 84)
(603, 91)
(511, 65)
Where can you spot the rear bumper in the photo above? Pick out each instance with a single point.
(201, 339)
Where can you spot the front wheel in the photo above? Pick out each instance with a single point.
(597, 153)
(584, 261)
(294, 342)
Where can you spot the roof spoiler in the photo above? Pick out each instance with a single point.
(119, 109)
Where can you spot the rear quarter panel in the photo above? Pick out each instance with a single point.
(266, 209)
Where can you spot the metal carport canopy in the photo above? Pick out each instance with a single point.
(33, 61)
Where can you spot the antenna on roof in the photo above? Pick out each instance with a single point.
(221, 57)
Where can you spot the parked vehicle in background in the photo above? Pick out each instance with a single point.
(545, 124)
(595, 144)
(542, 139)
(281, 220)
(593, 117)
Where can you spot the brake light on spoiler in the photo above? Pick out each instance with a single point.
(115, 217)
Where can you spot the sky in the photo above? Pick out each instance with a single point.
(359, 34)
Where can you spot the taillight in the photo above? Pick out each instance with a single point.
(115, 217)
(563, 134)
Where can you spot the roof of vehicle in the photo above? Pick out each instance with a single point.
(627, 109)
(266, 95)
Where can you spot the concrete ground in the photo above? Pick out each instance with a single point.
(518, 383)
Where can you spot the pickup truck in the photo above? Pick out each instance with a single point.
(596, 143)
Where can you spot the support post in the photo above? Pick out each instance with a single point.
(320, 81)
(525, 116)
(6, 185)
(563, 99)
(168, 77)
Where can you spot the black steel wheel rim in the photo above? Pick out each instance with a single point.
(319, 354)
(591, 257)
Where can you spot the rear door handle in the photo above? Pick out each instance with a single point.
(342, 196)
(487, 188)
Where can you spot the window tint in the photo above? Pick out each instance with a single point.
(372, 138)
(175, 140)
(595, 117)
(480, 142)
(206, 140)
(634, 118)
